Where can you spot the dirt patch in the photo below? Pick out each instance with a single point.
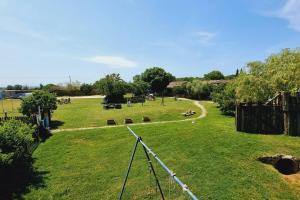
(293, 180)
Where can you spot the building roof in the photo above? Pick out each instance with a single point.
(175, 84)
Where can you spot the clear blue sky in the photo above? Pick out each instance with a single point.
(44, 41)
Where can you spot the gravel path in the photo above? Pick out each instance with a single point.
(197, 103)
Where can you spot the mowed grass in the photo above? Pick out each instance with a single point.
(11, 106)
(214, 160)
(90, 113)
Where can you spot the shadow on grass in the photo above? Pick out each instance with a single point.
(17, 180)
(56, 124)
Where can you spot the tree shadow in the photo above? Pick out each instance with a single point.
(56, 124)
(18, 179)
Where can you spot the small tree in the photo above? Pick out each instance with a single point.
(113, 87)
(225, 98)
(214, 75)
(43, 99)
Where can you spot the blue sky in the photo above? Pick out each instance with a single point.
(46, 41)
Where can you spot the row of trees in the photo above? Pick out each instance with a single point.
(155, 80)
(151, 80)
(17, 87)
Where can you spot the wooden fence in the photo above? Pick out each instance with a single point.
(279, 115)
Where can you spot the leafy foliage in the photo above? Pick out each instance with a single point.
(86, 89)
(280, 72)
(139, 88)
(214, 75)
(16, 142)
(157, 78)
(224, 96)
(198, 89)
(113, 87)
(43, 99)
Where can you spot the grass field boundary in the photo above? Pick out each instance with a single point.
(197, 103)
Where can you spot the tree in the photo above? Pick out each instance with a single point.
(225, 98)
(139, 88)
(113, 87)
(158, 78)
(214, 75)
(86, 89)
(18, 87)
(10, 87)
(262, 80)
(43, 99)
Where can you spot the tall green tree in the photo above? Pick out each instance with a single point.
(158, 78)
(262, 80)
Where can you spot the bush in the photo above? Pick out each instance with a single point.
(16, 142)
(198, 89)
(225, 98)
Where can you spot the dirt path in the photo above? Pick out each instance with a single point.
(197, 103)
(83, 97)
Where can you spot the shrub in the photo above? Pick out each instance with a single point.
(198, 89)
(16, 142)
(225, 98)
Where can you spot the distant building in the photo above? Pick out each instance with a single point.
(15, 94)
(174, 84)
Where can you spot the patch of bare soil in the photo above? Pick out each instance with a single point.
(293, 180)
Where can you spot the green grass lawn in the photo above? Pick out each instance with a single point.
(214, 160)
(90, 113)
(10, 106)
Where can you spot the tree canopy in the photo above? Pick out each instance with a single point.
(43, 99)
(139, 87)
(112, 86)
(214, 75)
(157, 78)
(262, 80)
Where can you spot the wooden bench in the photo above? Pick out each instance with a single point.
(146, 119)
(111, 122)
(128, 121)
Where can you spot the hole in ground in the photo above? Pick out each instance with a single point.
(287, 166)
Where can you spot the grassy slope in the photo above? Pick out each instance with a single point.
(10, 106)
(210, 156)
(90, 113)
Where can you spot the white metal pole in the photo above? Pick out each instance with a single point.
(172, 174)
